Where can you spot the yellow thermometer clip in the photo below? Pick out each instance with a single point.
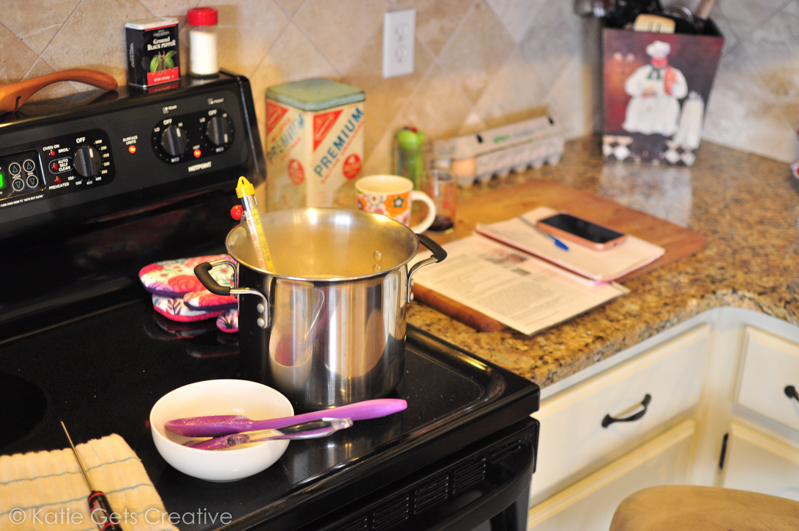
(246, 192)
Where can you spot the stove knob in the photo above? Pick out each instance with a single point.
(218, 131)
(87, 161)
(174, 140)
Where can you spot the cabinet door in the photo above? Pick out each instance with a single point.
(573, 440)
(770, 365)
(760, 463)
(589, 504)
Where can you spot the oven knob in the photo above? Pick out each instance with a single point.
(218, 131)
(87, 161)
(174, 140)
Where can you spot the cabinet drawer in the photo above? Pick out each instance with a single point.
(770, 365)
(589, 504)
(572, 440)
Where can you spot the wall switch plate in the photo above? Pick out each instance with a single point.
(399, 38)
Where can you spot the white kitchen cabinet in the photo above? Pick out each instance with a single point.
(770, 365)
(573, 441)
(761, 463)
(589, 504)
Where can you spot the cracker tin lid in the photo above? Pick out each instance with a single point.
(152, 23)
(315, 94)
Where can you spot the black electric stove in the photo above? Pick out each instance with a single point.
(79, 340)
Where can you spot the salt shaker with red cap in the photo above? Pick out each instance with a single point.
(203, 40)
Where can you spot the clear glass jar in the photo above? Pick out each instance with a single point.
(203, 42)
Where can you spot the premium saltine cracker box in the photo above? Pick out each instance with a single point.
(314, 144)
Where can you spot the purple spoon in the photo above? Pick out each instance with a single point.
(238, 439)
(218, 425)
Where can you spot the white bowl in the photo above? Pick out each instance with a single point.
(218, 397)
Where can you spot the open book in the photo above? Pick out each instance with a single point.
(601, 266)
(514, 288)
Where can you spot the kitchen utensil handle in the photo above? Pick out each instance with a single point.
(13, 96)
(608, 420)
(790, 392)
(439, 254)
(203, 272)
(367, 409)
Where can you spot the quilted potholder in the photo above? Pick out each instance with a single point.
(228, 321)
(208, 302)
(175, 309)
(175, 278)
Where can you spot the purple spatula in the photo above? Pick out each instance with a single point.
(218, 425)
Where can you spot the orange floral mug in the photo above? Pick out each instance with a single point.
(392, 195)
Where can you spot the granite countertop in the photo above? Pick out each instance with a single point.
(746, 206)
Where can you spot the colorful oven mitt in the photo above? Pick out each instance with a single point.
(176, 278)
(179, 296)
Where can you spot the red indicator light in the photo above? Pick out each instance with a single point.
(52, 152)
(197, 153)
(132, 149)
(54, 166)
(58, 180)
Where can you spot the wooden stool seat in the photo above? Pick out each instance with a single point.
(678, 507)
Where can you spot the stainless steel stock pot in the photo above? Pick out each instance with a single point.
(327, 327)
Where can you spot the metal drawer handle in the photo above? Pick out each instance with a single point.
(608, 420)
(790, 392)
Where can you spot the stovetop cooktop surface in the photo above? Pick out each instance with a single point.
(103, 373)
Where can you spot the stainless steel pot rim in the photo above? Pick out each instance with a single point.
(313, 278)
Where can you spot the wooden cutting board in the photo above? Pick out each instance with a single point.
(513, 201)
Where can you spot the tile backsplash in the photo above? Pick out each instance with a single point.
(478, 63)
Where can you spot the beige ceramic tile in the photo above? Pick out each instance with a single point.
(774, 50)
(36, 21)
(745, 16)
(477, 51)
(516, 15)
(377, 160)
(17, 58)
(340, 29)
(438, 107)
(436, 20)
(513, 94)
(574, 99)
(743, 114)
(291, 6)
(385, 97)
(169, 8)
(247, 30)
(94, 37)
(553, 39)
(291, 58)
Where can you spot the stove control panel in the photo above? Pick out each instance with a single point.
(193, 136)
(55, 166)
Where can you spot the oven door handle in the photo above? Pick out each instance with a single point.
(203, 272)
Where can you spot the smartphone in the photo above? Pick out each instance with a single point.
(582, 231)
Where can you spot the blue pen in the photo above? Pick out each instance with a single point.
(559, 244)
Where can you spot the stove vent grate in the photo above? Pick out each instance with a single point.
(506, 450)
(359, 524)
(391, 513)
(431, 494)
(468, 476)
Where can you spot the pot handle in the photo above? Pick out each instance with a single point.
(439, 254)
(203, 272)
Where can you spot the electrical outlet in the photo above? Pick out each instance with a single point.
(399, 38)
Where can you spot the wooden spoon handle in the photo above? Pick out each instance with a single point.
(14, 95)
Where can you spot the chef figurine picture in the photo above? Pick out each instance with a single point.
(654, 107)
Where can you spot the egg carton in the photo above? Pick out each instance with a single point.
(497, 152)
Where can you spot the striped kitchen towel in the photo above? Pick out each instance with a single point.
(46, 490)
